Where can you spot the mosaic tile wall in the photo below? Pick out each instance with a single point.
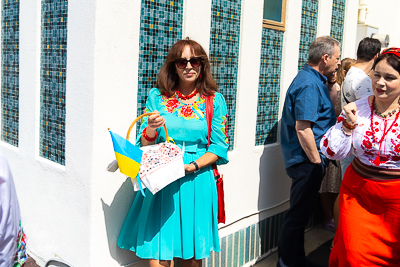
(10, 71)
(224, 53)
(269, 86)
(53, 63)
(337, 23)
(254, 241)
(160, 28)
(309, 19)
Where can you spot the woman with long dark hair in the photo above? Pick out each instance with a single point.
(180, 221)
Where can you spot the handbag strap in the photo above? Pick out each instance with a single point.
(209, 116)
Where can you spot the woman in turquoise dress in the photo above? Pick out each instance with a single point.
(180, 221)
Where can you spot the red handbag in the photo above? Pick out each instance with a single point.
(218, 177)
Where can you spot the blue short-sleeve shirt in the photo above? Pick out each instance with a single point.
(306, 99)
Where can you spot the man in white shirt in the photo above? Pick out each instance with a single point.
(357, 84)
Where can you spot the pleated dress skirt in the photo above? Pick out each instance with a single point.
(180, 221)
(369, 223)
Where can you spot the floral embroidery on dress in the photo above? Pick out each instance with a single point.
(190, 111)
(224, 129)
(21, 256)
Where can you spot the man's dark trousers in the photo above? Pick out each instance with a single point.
(306, 181)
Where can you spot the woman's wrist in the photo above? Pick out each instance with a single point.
(346, 132)
(196, 167)
(348, 126)
(149, 134)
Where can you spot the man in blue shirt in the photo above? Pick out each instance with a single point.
(307, 114)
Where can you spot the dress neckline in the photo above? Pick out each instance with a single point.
(186, 104)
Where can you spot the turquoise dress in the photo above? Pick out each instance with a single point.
(180, 221)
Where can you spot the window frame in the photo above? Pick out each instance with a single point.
(276, 25)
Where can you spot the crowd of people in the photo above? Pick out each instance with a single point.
(362, 147)
(339, 121)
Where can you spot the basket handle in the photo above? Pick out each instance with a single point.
(141, 116)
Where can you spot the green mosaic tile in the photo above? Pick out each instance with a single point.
(53, 64)
(309, 19)
(229, 254)
(224, 53)
(210, 260)
(223, 251)
(160, 28)
(269, 87)
(252, 233)
(10, 71)
(337, 22)
(257, 241)
(236, 250)
(216, 259)
(242, 244)
(247, 247)
(249, 243)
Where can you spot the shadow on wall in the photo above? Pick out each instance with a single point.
(114, 216)
(274, 184)
(274, 188)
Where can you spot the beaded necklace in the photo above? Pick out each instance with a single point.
(377, 160)
(380, 114)
(186, 97)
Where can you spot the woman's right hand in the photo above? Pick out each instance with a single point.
(351, 113)
(155, 121)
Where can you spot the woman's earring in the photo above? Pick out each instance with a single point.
(200, 75)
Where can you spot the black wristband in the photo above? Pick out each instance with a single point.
(195, 165)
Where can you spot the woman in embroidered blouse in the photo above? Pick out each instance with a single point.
(180, 221)
(369, 202)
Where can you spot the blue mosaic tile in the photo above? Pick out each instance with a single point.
(223, 251)
(10, 71)
(53, 63)
(224, 53)
(160, 28)
(252, 242)
(309, 19)
(337, 22)
(269, 87)
(247, 247)
(236, 250)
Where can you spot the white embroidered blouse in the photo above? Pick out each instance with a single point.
(363, 143)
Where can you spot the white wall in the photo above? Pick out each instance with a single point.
(55, 200)
(350, 30)
(76, 211)
(115, 97)
(384, 15)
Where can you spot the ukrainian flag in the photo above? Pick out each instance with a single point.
(128, 155)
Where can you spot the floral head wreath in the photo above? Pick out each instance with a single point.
(392, 50)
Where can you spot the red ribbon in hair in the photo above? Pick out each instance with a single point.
(392, 50)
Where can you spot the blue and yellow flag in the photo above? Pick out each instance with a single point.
(128, 155)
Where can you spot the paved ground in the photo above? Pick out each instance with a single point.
(317, 243)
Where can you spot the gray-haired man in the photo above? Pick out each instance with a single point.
(307, 114)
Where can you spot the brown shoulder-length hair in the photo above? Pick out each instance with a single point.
(343, 69)
(167, 79)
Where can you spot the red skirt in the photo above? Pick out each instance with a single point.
(369, 222)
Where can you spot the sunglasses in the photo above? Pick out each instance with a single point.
(181, 63)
